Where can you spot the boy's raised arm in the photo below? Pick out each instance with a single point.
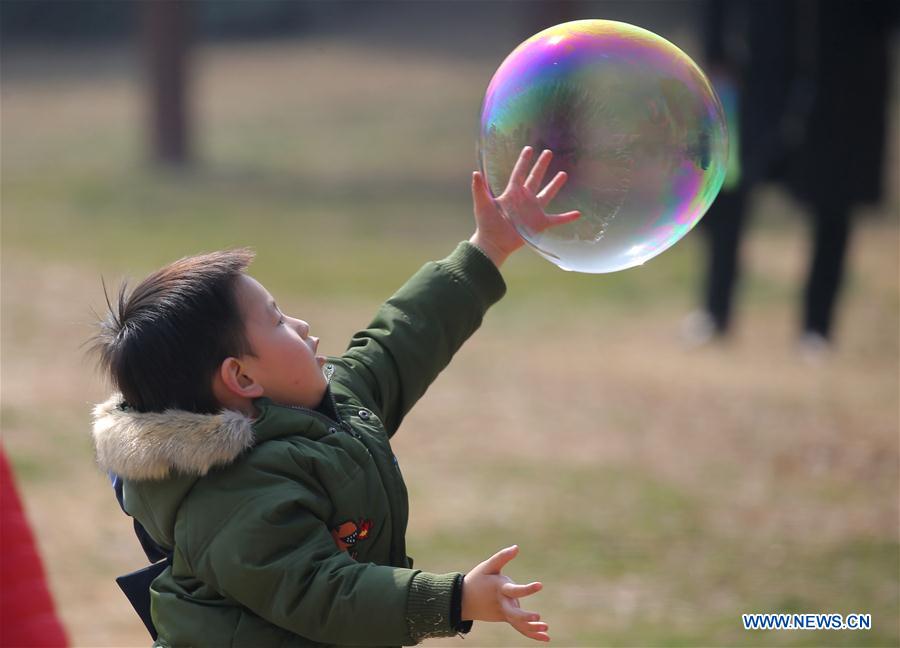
(416, 332)
(414, 335)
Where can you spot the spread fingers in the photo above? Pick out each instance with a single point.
(517, 177)
(549, 192)
(536, 177)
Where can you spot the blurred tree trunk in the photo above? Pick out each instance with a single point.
(164, 34)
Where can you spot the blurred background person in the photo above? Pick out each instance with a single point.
(805, 84)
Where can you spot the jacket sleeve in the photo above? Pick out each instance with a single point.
(275, 556)
(417, 331)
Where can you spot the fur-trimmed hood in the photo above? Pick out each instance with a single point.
(150, 445)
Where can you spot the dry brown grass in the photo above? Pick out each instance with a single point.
(777, 453)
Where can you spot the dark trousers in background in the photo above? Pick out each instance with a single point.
(723, 227)
(831, 233)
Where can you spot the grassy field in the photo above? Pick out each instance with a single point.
(658, 492)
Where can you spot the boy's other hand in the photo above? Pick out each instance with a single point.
(494, 234)
(488, 595)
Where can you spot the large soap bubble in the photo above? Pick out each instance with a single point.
(629, 117)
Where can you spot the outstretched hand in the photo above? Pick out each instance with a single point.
(494, 234)
(488, 595)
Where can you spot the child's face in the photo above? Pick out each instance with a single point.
(284, 360)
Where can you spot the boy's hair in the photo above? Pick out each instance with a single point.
(162, 343)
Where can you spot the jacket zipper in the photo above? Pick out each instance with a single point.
(332, 424)
(315, 414)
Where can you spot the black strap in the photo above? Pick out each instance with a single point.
(136, 587)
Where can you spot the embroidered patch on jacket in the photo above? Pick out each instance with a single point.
(347, 534)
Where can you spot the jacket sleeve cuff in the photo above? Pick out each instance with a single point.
(428, 608)
(473, 269)
(456, 620)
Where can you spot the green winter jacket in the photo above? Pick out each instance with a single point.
(289, 530)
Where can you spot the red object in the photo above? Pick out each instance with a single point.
(27, 615)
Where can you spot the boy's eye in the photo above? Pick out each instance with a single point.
(280, 320)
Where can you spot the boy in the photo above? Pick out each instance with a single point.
(264, 471)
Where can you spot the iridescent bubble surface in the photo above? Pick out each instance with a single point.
(630, 118)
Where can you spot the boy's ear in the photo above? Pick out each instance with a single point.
(236, 381)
